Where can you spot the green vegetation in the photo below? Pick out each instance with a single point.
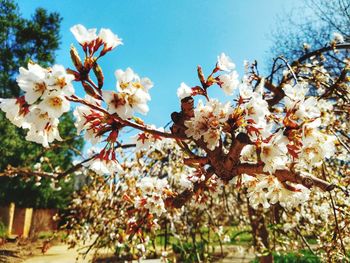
(304, 256)
(22, 40)
(190, 252)
(2, 230)
(240, 236)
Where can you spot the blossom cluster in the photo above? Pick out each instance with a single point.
(208, 122)
(263, 139)
(91, 41)
(134, 208)
(43, 102)
(132, 95)
(267, 190)
(289, 136)
(152, 190)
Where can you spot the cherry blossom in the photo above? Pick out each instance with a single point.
(15, 111)
(207, 122)
(225, 63)
(272, 143)
(109, 39)
(338, 37)
(296, 92)
(54, 104)
(82, 35)
(274, 152)
(32, 81)
(229, 82)
(43, 128)
(59, 81)
(183, 91)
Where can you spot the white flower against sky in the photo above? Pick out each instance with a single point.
(245, 89)
(183, 91)
(126, 103)
(229, 82)
(145, 140)
(256, 109)
(109, 38)
(132, 96)
(339, 38)
(225, 63)
(128, 79)
(83, 35)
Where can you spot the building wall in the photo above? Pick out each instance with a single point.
(27, 220)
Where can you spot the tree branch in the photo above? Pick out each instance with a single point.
(285, 175)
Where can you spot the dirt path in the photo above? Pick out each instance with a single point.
(58, 254)
(61, 254)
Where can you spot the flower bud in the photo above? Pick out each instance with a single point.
(99, 75)
(90, 91)
(75, 58)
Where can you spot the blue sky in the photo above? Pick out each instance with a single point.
(165, 40)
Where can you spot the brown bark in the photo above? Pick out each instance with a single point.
(260, 235)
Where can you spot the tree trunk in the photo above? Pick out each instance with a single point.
(260, 234)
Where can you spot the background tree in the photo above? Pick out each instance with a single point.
(303, 30)
(313, 24)
(321, 21)
(22, 40)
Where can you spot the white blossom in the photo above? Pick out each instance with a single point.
(229, 82)
(308, 109)
(43, 128)
(60, 81)
(54, 104)
(104, 167)
(83, 35)
(185, 182)
(274, 153)
(145, 140)
(109, 38)
(13, 112)
(207, 122)
(32, 81)
(152, 191)
(256, 109)
(339, 38)
(296, 92)
(132, 96)
(183, 91)
(225, 63)
(245, 89)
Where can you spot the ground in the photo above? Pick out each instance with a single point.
(26, 252)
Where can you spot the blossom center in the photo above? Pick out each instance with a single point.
(55, 102)
(40, 87)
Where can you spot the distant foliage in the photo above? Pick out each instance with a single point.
(22, 40)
